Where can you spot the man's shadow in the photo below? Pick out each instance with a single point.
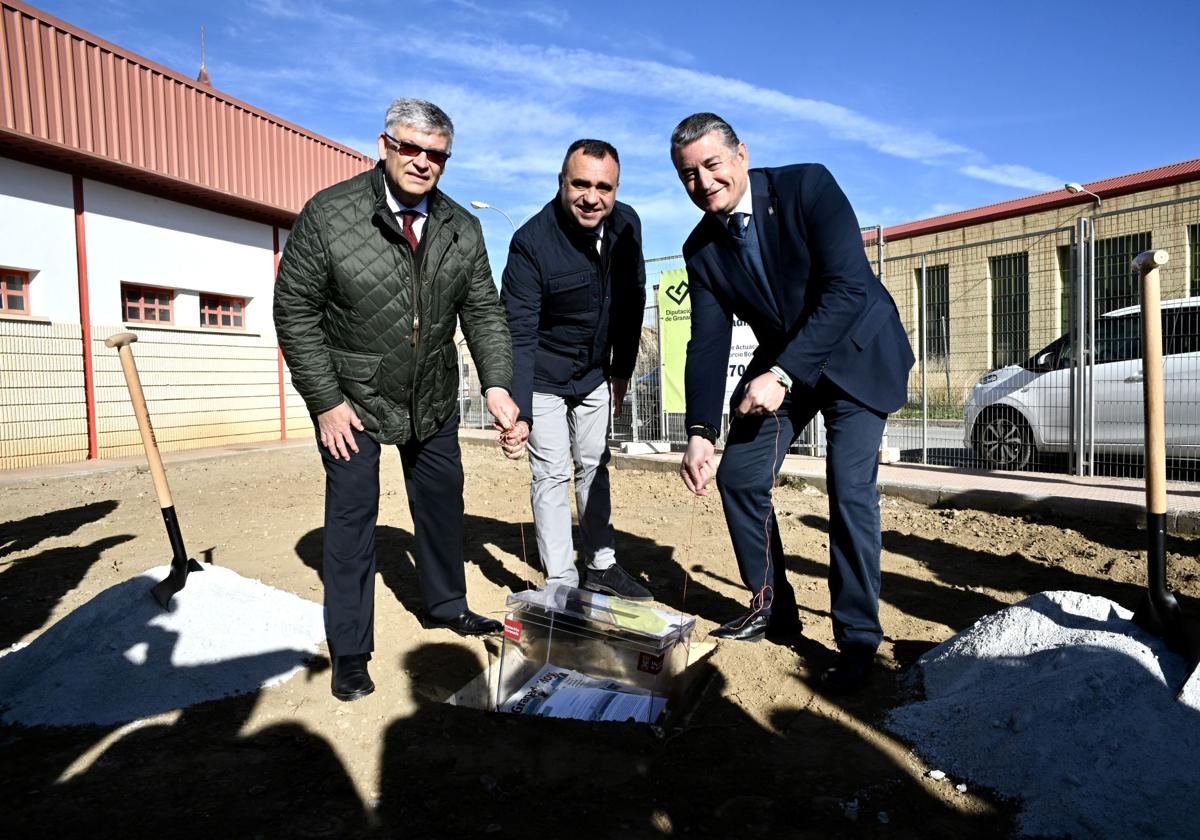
(32, 586)
(198, 776)
(723, 774)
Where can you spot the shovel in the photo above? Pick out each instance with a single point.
(181, 564)
(1159, 612)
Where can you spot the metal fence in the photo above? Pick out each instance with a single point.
(1028, 346)
(1028, 356)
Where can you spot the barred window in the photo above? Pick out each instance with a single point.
(937, 308)
(1194, 255)
(1065, 265)
(145, 304)
(222, 312)
(1010, 308)
(1117, 283)
(14, 292)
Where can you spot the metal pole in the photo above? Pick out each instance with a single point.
(1079, 310)
(924, 368)
(633, 406)
(1091, 347)
(663, 431)
(946, 355)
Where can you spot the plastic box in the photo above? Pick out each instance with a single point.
(641, 647)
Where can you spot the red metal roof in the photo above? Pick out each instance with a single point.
(1162, 176)
(72, 100)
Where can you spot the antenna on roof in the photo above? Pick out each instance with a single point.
(202, 76)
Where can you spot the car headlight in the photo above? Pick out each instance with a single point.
(988, 378)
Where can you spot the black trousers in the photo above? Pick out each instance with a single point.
(433, 479)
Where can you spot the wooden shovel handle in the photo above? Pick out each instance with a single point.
(1148, 264)
(122, 341)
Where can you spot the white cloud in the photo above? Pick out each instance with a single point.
(1010, 175)
(547, 16)
(517, 105)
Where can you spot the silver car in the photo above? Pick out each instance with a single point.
(1016, 412)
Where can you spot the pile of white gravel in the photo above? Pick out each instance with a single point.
(1062, 703)
(120, 656)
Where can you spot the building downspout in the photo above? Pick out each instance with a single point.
(278, 350)
(85, 321)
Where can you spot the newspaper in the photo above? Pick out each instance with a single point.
(563, 693)
(617, 612)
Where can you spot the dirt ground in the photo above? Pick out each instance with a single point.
(758, 753)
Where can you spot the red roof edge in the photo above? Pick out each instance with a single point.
(1149, 179)
(91, 38)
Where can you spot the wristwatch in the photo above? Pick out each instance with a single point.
(704, 430)
(782, 376)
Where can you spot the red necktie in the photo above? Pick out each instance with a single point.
(410, 216)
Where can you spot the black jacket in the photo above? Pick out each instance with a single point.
(575, 315)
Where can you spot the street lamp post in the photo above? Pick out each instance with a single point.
(1083, 419)
(483, 205)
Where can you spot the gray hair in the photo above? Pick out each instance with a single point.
(421, 115)
(696, 126)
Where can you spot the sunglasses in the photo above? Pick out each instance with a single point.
(438, 157)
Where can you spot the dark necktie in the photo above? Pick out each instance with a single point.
(410, 216)
(737, 225)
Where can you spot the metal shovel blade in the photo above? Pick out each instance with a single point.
(173, 582)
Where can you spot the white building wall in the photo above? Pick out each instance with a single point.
(136, 238)
(37, 234)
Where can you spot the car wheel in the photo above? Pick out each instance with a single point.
(1004, 440)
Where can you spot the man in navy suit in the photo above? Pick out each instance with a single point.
(781, 249)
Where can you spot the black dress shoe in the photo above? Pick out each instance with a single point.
(468, 624)
(778, 627)
(350, 678)
(850, 672)
(750, 627)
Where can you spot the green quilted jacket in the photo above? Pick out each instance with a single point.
(346, 301)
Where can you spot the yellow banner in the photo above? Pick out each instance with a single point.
(675, 320)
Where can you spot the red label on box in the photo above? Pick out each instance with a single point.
(512, 628)
(650, 664)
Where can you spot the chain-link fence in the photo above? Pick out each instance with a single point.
(1027, 345)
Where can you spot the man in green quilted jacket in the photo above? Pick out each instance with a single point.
(376, 273)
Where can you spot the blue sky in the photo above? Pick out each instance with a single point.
(918, 108)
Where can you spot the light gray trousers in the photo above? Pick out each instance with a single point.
(571, 431)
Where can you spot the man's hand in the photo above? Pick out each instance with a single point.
(697, 467)
(619, 388)
(763, 395)
(502, 407)
(513, 441)
(334, 427)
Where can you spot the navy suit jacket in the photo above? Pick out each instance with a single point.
(830, 314)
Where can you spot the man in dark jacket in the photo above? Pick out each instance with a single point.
(781, 249)
(376, 272)
(574, 290)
